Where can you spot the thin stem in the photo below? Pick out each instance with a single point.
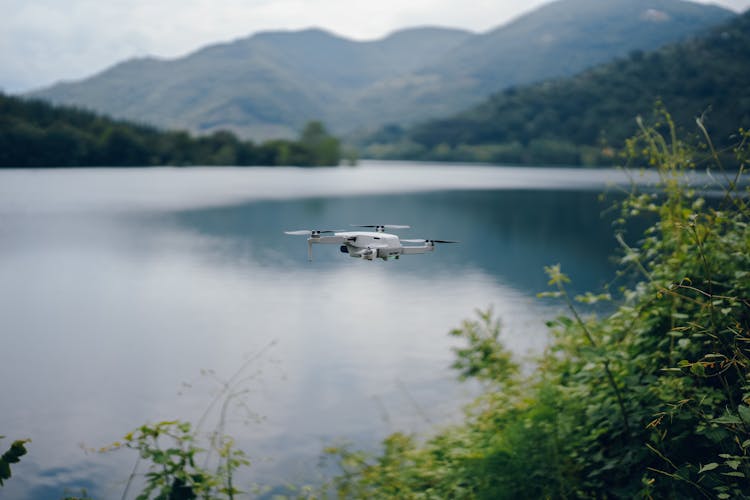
(732, 185)
(680, 478)
(622, 243)
(232, 380)
(130, 478)
(702, 254)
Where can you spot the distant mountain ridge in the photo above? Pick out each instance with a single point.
(585, 118)
(564, 37)
(270, 84)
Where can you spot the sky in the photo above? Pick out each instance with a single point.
(45, 41)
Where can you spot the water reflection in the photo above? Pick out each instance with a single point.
(510, 235)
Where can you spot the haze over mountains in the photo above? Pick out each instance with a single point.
(271, 84)
(584, 119)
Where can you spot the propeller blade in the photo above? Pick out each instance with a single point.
(427, 241)
(380, 228)
(308, 232)
(386, 226)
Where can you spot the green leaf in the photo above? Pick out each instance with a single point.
(734, 464)
(4, 471)
(16, 451)
(733, 474)
(727, 419)
(708, 467)
(744, 412)
(697, 368)
(565, 321)
(159, 457)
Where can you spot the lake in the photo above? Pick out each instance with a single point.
(131, 295)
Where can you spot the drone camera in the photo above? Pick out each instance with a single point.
(344, 249)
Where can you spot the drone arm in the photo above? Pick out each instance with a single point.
(330, 240)
(417, 250)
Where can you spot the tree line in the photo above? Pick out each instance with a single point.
(37, 134)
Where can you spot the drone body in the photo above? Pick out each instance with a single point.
(368, 245)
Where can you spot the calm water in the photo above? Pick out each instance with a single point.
(127, 296)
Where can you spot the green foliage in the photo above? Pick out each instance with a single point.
(648, 400)
(81, 495)
(171, 450)
(12, 456)
(505, 449)
(579, 120)
(35, 134)
(184, 462)
(484, 358)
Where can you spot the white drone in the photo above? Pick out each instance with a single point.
(368, 245)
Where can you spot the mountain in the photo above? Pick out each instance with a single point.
(270, 84)
(262, 86)
(580, 119)
(559, 39)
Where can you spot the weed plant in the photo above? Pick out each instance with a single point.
(184, 462)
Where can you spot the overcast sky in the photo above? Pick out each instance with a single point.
(44, 41)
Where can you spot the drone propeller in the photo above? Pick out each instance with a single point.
(428, 241)
(313, 235)
(382, 227)
(310, 232)
(387, 226)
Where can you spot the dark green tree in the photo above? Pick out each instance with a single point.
(36, 134)
(322, 148)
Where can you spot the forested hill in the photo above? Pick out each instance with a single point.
(36, 134)
(270, 84)
(580, 120)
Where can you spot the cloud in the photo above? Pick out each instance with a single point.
(43, 41)
(49, 40)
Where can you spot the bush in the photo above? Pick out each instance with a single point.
(649, 400)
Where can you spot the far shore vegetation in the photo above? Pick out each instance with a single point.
(37, 134)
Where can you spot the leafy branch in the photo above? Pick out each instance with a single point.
(12, 456)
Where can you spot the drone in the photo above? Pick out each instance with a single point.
(368, 245)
